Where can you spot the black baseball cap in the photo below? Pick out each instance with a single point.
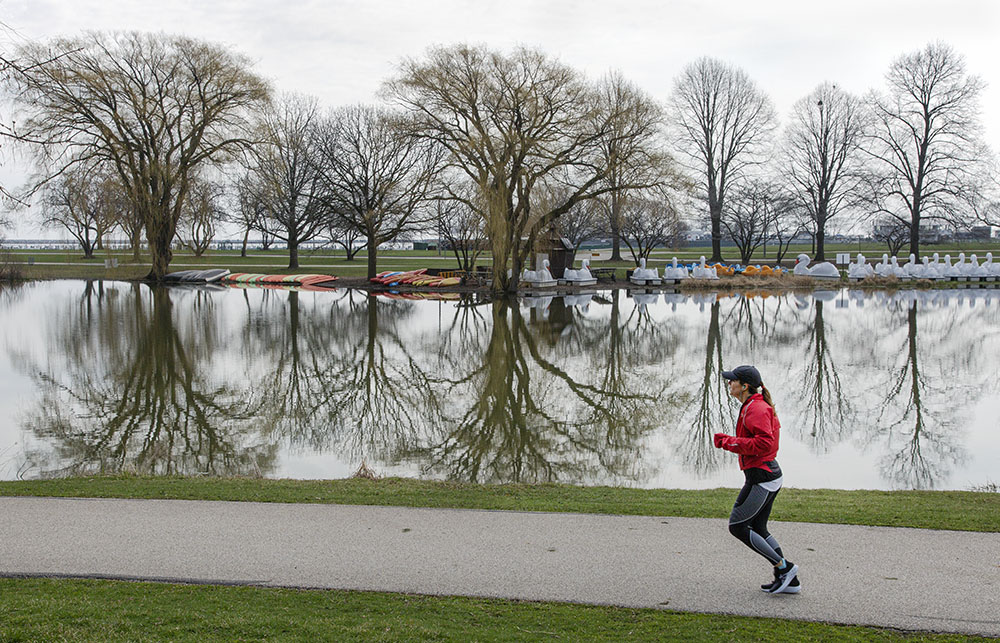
(746, 374)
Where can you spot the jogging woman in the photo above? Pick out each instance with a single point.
(756, 443)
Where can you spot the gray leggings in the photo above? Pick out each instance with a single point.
(748, 521)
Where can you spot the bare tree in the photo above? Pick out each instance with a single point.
(985, 203)
(156, 108)
(287, 176)
(790, 220)
(724, 121)
(509, 122)
(83, 204)
(9, 67)
(584, 221)
(201, 212)
(617, 94)
(752, 216)
(346, 236)
(248, 206)
(925, 140)
(129, 220)
(649, 221)
(463, 229)
(823, 143)
(377, 177)
(892, 232)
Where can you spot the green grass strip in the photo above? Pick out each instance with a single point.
(958, 510)
(88, 610)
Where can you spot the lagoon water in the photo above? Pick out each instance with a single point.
(874, 390)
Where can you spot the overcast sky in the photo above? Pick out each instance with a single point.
(341, 50)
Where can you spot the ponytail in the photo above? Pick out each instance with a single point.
(766, 394)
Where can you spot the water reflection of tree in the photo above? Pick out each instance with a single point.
(382, 387)
(124, 388)
(529, 418)
(921, 437)
(713, 411)
(819, 389)
(340, 376)
(288, 343)
(755, 321)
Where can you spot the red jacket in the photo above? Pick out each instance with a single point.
(757, 430)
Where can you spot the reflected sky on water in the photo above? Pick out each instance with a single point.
(874, 390)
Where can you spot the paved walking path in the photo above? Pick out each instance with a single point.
(905, 578)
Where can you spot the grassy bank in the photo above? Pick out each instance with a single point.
(88, 610)
(958, 510)
(63, 264)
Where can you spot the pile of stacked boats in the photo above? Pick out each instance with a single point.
(218, 277)
(414, 278)
(306, 282)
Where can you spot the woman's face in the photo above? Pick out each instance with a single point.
(736, 388)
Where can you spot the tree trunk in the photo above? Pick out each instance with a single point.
(515, 274)
(372, 258)
(136, 243)
(915, 235)
(501, 254)
(821, 232)
(246, 239)
(616, 228)
(159, 234)
(715, 209)
(293, 250)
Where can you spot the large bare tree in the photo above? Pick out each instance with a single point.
(156, 108)
(376, 175)
(723, 122)
(823, 143)
(925, 140)
(287, 176)
(630, 139)
(510, 122)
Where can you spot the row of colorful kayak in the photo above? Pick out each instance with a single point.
(414, 278)
(249, 278)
